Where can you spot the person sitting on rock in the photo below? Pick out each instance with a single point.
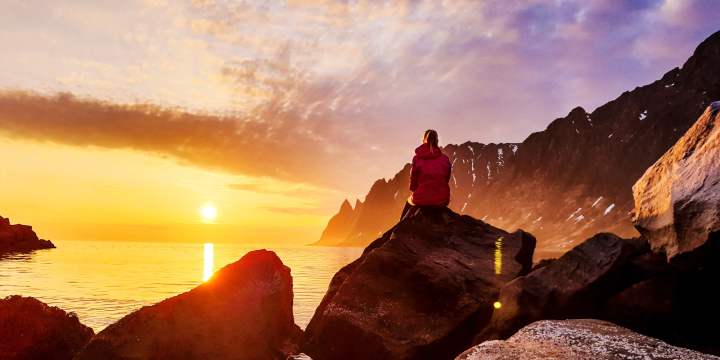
(429, 176)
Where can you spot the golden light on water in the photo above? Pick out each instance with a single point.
(498, 256)
(208, 261)
(497, 305)
(208, 213)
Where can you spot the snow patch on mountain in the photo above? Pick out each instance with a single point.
(609, 209)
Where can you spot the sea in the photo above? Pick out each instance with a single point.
(102, 281)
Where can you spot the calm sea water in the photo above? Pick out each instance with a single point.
(102, 281)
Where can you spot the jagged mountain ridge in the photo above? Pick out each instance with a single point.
(562, 184)
(474, 167)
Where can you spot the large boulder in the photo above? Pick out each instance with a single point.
(30, 329)
(575, 285)
(420, 291)
(19, 238)
(578, 339)
(677, 200)
(243, 312)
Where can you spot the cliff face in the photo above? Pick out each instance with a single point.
(677, 199)
(567, 182)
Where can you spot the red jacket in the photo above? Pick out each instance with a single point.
(429, 177)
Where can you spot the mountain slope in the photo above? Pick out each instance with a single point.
(567, 182)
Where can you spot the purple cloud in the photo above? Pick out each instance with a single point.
(340, 92)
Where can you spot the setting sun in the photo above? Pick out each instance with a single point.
(208, 212)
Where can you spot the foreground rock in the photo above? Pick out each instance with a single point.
(420, 291)
(19, 238)
(30, 329)
(578, 339)
(622, 281)
(573, 285)
(677, 200)
(243, 312)
(677, 306)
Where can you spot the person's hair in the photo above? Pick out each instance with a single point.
(431, 137)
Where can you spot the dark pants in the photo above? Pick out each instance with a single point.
(406, 210)
(410, 209)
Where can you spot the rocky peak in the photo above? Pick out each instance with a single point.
(346, 207)
(574, 178)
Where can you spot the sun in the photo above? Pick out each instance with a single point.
(208, 213)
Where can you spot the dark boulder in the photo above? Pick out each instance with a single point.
(677, 305)
(19, 238)
(578, 339)
(420, 291)
(572, 286)
(30, 329)
(243, 312)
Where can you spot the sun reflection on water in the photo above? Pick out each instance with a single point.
(498, 256)
(208, 261)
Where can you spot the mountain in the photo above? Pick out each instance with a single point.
(564, 183)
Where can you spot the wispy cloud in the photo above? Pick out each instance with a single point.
(293, 190)
(247, 146)
(332, 93)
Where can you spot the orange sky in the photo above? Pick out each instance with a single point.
(86, 193)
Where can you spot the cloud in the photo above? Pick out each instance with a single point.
(302, 191)
(328, 93)
(276, 147)
(298, 210)
(487, 71)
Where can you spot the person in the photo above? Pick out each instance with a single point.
(429, 176)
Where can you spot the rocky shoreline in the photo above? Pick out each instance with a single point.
(439, 285)
(18, 238)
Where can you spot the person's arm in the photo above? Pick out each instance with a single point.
(414, 173)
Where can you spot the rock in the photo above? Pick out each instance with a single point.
(542, 263)
(578, 339)
(677, 200)
(583, 164)
(19, 238)
(420, 291)
(679, 307)
(30, 329)
(340, 225)
(243, 312)
(574, 285)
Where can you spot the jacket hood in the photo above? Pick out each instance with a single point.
(424, 151)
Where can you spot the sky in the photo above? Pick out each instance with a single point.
(122, 119)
